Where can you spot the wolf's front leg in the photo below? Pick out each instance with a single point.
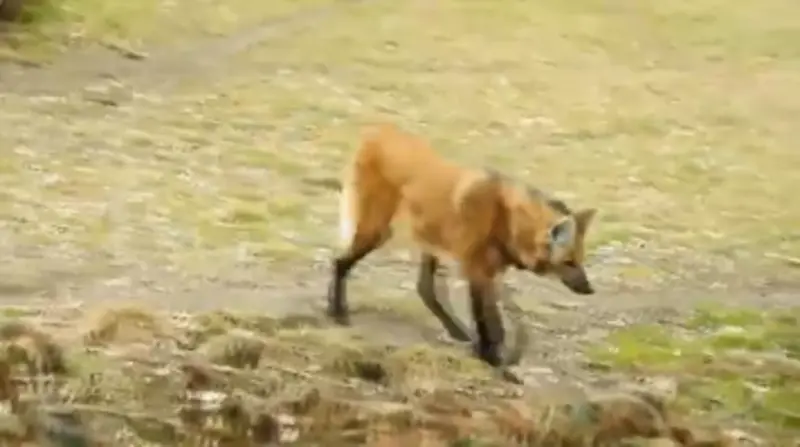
(488, 321)
(438, 303)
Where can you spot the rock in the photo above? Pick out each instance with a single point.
(289, 431)
(111, 93)
(566, 305)
(125, 50)
(598, 366)
(664, 387)
(744, 438)
(617, 323)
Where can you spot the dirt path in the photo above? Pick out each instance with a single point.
(560, 323)
(158, 69)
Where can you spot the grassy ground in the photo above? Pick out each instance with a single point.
(680, 134)
(248, 380)
(735, 364)
(64, 24)
(674, 119)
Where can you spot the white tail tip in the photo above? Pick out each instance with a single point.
(346, 226)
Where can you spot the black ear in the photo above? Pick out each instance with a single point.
(583, 218)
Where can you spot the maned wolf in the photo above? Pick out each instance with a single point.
(475, 217)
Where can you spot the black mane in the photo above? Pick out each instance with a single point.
(534, 193)
(553, 202)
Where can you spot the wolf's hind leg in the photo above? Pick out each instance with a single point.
(367, 206)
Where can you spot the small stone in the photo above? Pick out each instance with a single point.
(289, 431)
(617, 323)
(110, 93)
(513, 375)
(598, 366)
(663, 386)
(566, 305)
(544, 311)
(744, 438)
(125, 50)
(660, 442)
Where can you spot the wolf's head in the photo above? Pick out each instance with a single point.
(533, 231)
(546, 237)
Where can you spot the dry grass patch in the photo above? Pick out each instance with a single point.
(148, 393)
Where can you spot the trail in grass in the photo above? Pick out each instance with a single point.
(156, 70)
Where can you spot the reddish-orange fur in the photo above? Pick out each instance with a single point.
(475, 217)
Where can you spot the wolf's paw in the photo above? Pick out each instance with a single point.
(339, 316)
(490, 353)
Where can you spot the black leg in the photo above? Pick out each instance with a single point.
(342, 265)
(488, 322)
(337, 293)
(439, 305)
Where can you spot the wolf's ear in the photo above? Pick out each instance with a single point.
(562, 234)
(583, 218)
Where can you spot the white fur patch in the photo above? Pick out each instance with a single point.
(563, 240)
(346, 224)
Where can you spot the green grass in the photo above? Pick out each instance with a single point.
(53, 25)
(739, 363)
(676, 120)
(624, 109)
(660, 116)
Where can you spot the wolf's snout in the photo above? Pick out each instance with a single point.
(575, 279)
(582, 289)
